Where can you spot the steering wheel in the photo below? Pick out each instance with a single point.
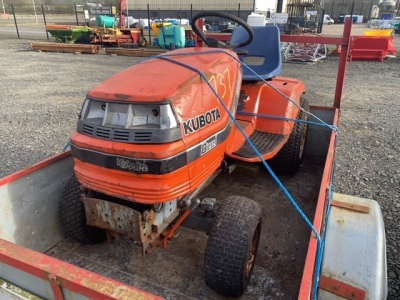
(210, 42)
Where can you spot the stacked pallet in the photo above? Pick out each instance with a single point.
(65, 48)
(134, 52)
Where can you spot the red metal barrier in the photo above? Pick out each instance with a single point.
(371, 47)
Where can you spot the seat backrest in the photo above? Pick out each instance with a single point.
(264, 52)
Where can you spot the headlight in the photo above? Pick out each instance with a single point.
(129, 116)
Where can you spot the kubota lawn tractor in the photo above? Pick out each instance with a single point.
(150, 138)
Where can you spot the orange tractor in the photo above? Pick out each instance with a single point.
(150, 138)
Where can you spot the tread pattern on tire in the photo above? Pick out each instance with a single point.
(287, 160)
(229, 243)
(72, 215)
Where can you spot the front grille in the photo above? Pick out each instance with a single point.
(103, 132)
(138, 136)
(87, 129)
(142, 137)
(121, 135)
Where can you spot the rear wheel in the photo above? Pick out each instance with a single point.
(73, 218)
(232, 246)
(289, 158)
(142, 41)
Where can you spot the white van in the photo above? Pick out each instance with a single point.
(328, 20)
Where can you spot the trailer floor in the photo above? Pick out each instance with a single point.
(178, 272)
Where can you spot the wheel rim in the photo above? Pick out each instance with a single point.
(251, 257)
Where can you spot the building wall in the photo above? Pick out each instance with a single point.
(196, 4)
(161, 9)
(334, 8)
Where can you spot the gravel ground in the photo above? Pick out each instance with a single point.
(41, 95)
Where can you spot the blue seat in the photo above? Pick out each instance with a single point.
(264, 52)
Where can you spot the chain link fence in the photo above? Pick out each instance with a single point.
(155, 10)
(22, 16)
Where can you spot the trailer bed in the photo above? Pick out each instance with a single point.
(177, 273)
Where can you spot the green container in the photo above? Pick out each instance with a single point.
(105, 21)
(67, 34)
(172, 36)
(397, 27)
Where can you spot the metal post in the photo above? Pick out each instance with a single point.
(34, 9)
(44, 19)
(333, 5)
(76, 15)
(191, 13)
(238, 10)
(342, 63)
(148, 19)
(2, 4)
(15, 20)
(351, 11)
(291, 18)
(321, 22)
(279, 5)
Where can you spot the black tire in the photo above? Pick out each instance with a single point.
(142, 41)
(72, 216)
(288, 159)
(232, 246)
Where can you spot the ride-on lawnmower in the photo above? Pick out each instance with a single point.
(150, 138)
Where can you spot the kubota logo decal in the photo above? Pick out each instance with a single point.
(132, 166)
(200, 121)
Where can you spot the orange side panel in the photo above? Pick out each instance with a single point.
(263, 99)
(205, 166)
(237, 139)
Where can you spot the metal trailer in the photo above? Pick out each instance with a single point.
(35, 258)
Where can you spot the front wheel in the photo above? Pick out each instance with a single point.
(232, 246)
(71, 211)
